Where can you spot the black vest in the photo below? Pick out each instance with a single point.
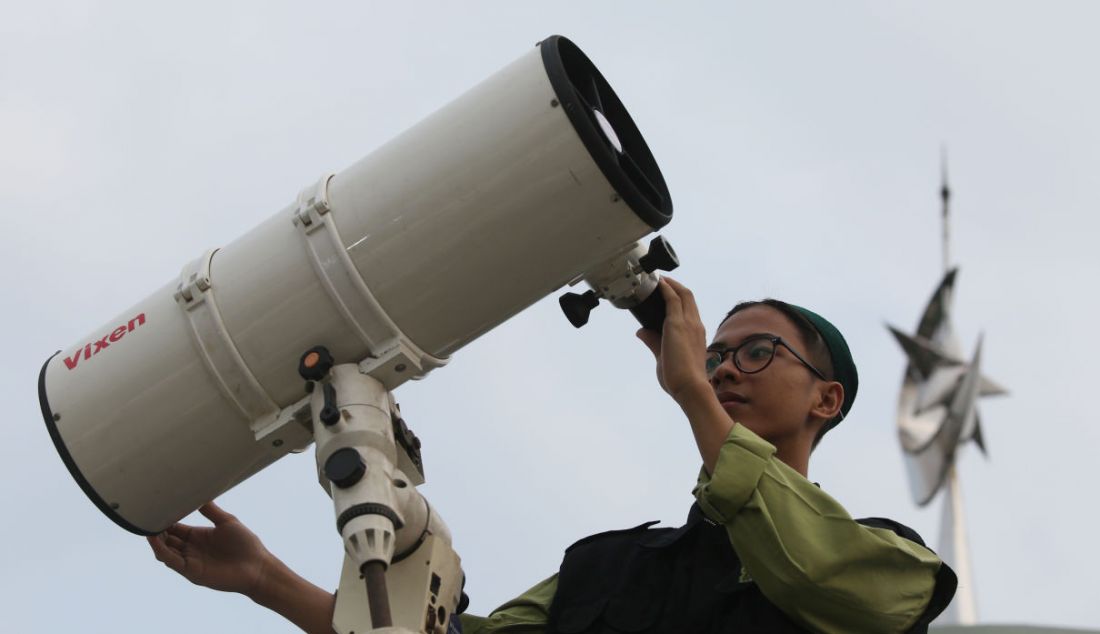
(685, 580)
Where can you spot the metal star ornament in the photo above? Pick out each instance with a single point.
(937, 407)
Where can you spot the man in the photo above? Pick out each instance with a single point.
(764, 549)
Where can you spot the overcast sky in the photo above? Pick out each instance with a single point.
(800, 142)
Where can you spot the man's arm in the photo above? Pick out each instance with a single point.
(296, 600)
(804, 551)
(229, 557)
(526, 614)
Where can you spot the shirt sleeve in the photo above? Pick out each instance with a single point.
(526, 614)
(803, 550)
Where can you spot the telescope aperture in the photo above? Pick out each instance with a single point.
(607, 130)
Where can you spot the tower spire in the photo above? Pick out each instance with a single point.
(945, 198)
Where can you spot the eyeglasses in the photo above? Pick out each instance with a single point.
(753, 355)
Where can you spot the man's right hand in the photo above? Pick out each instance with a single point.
(226, 557)
(229, 557)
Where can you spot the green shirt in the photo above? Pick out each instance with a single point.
(798, 544)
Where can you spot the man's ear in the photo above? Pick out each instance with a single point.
(830, 398)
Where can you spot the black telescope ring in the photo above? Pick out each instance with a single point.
(368, 508)
(582, 90)
(66, 457)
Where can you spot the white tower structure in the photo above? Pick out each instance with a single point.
(938, 415)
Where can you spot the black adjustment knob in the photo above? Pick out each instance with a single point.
(345, 467)
(661, 256)
(577, 307)
(330, 414)
(315, 363)
(463, 602)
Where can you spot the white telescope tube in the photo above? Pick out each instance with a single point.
(509, 192)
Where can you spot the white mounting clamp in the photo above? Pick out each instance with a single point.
(392, 357)
(621, 280)
(195, 294)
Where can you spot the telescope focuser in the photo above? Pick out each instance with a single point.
(627, 281)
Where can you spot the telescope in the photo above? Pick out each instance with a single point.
(298, 331)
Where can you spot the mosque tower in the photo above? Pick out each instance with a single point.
(938, 415)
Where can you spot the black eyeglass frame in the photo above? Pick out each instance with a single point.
(775, 341)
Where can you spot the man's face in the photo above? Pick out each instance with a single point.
(775, 402)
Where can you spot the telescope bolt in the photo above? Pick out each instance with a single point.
(315, 363)
(578, 307)
(661, 256)
(345, 467)
(330, 414)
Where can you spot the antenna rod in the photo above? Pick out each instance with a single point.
(945, 197)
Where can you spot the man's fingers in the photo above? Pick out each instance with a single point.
(183, 531)
(215, 514)
(175, 543)
(673, 305)
(681, 291)
(160, 547)
(687, 298)
(164, 554)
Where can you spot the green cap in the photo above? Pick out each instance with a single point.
(844, 367)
